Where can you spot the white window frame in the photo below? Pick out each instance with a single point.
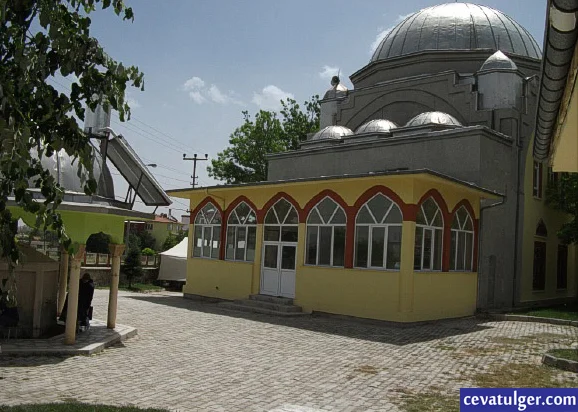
(236, 227)
(319, 226)
(370, 234)
(429, 227)
(280, 224)
(465, 232)
(209, 223)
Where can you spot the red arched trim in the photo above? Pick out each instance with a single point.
(319, 197)
(206, 200)
(475, 222)
(280, 195)
(406, 210)
(447, 232)
(239, 200)
(465, 203)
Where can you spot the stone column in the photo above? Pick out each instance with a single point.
(115, 253)
(63, 281)
(72, 309)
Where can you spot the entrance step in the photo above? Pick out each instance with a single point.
(268, 305)
(272, 299)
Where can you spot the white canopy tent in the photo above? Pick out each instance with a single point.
(174, 262)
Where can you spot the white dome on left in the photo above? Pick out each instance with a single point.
(332, 132)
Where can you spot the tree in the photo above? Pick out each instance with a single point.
(40, 39)
(147, 240)
(562, 194)
(173, 240)
(132, 265)
(244, 160)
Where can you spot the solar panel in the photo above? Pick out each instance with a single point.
(125, 159)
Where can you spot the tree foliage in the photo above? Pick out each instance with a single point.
(172, 240)
(562, 194)
(132, 268)
(244, 160)
(146, 239)
(41, 39)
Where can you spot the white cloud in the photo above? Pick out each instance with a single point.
(270, 97)
(382, 33)
(200, 94)
(328, 72)
(194, 83)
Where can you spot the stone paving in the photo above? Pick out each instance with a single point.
(191, 356)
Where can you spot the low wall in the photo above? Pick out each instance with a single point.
(219, 278)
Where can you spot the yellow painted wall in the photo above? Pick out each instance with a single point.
(565, 148)
(160, 232)
(534, 210)
(218, 278)
(439, 295)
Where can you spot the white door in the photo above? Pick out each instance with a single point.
(278, 273)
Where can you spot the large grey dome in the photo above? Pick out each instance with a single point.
(332, 132)
(65, 173)
(433, 118)
(376, 126)
(457, 26)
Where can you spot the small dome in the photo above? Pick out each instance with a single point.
(65, 173)
(332, 132)
(433, 118)
(457, 26)
(376, 126)
(498, 60)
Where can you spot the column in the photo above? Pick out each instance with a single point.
(63, 281)
(406, 274)
(72, 309)
(115, 254)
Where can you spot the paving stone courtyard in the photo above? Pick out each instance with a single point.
(191, 356)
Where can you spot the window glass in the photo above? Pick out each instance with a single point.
(314, 217)
(438, 249)
(197, 240)
(469, 251)
(364, 216)
(325, 245)
(233, 219)
(215, 244)
(282, 208)
(326, 208)
(453, 247)
(230, 248)
(418, 248)
(339, 217)
(379, 205)
(377, 246)
(289, 233)
(427, 249)
(272, 233)
(339, 246)
(207, 230)
(461, 253)
(361, 246)
(393, 258)
(270, 256)
(288, 257)
(251, 242)
(240, 243)
(394, 215)
(271, 217)
(251, 219)
(311, 250)
(292, 217)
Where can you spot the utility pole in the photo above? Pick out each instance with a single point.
(195, 159)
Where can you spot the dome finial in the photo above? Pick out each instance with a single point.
(335, 79)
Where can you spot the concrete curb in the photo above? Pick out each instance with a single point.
(560, 363)
(536, 319)
(49, 347)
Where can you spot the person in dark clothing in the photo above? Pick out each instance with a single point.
(85, 295)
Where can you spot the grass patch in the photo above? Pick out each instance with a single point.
(569, 354)
(516, 375)
(430, 402)
(136, 287)
(445, 347)
(564, 312)
(74, 407)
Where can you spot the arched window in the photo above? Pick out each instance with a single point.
(281, 222)
(241, 233)
(462, 245)
(207, 232)
(326, 234)
(378, 234)
(428, 237)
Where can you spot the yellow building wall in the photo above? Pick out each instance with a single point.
(534, 210)
(386, 295)
(218, 278)
(565, 144)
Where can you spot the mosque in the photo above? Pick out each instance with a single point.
(418, 199)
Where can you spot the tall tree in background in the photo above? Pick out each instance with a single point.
(40, 39)
(244, 160)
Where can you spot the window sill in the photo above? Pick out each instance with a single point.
(376, 269)
(537, 198)
(308, 265)
(204, 257)
(251, 262)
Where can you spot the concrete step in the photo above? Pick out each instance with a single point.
(255, 309)
(269, 305)
(272, 299)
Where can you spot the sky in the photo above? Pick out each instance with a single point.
(206, 61)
